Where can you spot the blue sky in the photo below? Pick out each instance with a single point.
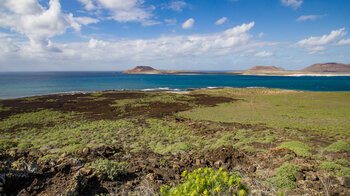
(59, 35)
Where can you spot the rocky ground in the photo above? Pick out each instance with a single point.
(35, 168)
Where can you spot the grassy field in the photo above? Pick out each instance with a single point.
(266, 138)
(327, 112)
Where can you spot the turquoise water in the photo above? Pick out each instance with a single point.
(13, 85)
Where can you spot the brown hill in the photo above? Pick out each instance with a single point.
(328, 67)
(266, 68)
(140, 69)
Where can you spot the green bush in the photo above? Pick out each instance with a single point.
(286, 176)
(335, 168)
(6, 144)
(299, 148)
(108, 169)
(338, 146)
(343, 162)
(25, 145)
(205, 181)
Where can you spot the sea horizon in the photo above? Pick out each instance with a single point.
(25, 84)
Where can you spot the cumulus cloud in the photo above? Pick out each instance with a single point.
(123, 11)
(170, 21)
(343, 42)
(261, 35)
(316, 44)
(221, 21)
(295, 4)
(38, 23)
(309, 17)
(263, 54)
(177, 5)
(188, 23)
(236, 40)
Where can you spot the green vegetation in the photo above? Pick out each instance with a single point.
(153, 97)
(108, 169)
(299, 148)
(42, 117)
(3, 109)
(343, 162)
(205, 181)
(335, 168)
(322, 111)
(338, 146)
(286, 176)
(7, 143)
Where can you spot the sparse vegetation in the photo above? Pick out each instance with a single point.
(126, 130)
(286, 176)
(299, 148)
(205, 181)
(335, 168)
(338, 146)
(108, 169)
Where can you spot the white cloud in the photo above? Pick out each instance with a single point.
(177, 5)
(263, 54)
(170, 21)
(188, 23)
(261, 35)
(123, 10)
(295, 4)
(235, 40)
(221, 21)
(38, 23)
(309, 17)
(316, 44)
(343, 42)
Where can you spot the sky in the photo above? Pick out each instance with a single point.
(114, 35)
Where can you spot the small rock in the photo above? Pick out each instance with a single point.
(177, 177)
(300, 176)
(218, 163)
(198, 162)
(64, 155)
(345, 181)
(151, 177)
(251, 169)
(33, 168)
(86, 171)
(76, 162)
(86, 151)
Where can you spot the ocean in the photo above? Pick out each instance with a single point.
(24, 84)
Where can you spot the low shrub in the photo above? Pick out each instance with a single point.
(299, 148)
(108, 169)
(6, 144)
(205, 181)
(338, 146)
(335, 168)
(286, 176)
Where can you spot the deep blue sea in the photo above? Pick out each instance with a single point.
(14, 85)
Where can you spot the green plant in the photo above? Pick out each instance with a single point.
(205, 181)
(343, 162)
(25, 145)
(299, 148)
(286, 176)
(249, 149)
(338, 146)
(335, 168)
(108, 169)
(6, 144)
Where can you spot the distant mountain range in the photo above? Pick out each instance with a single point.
(315, 69)
(328, 67)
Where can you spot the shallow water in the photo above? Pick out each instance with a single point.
(13, 85)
